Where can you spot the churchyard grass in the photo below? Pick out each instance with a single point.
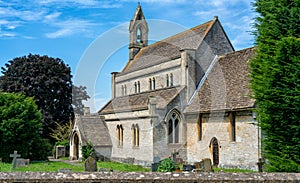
(122, 167)
(41, 167)
(55, 166)
(115, 166)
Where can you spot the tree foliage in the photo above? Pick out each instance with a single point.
(62, 131)
(46, 79)
(275, 73)
(78, 95)
(20, 125)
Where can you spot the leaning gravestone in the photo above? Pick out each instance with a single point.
(206, 165)
(90, 164)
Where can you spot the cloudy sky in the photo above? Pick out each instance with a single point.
(91, 36)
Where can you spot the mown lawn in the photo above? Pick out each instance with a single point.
(79, 167)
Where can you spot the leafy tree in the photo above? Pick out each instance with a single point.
(46, 79)
(275, 73)
(20, 125)
(62, 131)
(78, 95)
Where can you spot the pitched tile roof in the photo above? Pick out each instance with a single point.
(91, 128)
(140, 101)
(227, 85)
(169, 48)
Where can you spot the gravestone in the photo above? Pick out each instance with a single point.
(27, 161)
(198, 165)
(20, 162)
(60, 152)
(188, 167)
(206, 165)
(14, 156)
(90, 164)
(154, 165)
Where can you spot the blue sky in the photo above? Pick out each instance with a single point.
(91, 36)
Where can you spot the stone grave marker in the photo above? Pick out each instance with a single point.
(90, 164)
(20, 162)
(27, 161)
(14, 156)
(206, 165)
(188, 167)
(60, 152)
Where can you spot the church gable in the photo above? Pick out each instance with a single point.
(169, 48)
(226, 86)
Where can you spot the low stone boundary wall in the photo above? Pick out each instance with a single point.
(114, 177)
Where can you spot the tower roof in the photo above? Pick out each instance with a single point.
(138, 15)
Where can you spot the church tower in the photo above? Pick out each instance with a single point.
(138, 30)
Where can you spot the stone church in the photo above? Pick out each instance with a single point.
(187, 94)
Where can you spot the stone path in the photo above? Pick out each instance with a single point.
(71, 162)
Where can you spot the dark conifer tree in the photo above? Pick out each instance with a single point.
(275, 73)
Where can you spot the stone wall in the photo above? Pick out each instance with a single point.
(113, 177)
(241, 153)
(142, 154)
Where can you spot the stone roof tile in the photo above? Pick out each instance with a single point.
(227, 85)
(140, 101)
(91, 128)
(168, 48)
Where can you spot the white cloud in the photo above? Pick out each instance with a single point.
(69, 27)
(80, 3)
(52, 16)
(7, 34)
(59, 33)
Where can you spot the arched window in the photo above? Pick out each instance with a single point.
(167, 78)
(138, 87)
(171, 79)
(173, 127)
(135, 87)
(120, 135)
(150, 84)
(125, 90)
(139, 35)
(153, 81)
(135, 135)
(200, 128)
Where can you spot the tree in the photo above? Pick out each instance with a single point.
(20, 125)
(275, 73)
(46, 79)
(78, 95)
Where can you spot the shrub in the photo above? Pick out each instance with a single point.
(87, 150)
(166, 165)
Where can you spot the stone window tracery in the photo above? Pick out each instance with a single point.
(135, 135)
(173, 128)
(120, 135)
